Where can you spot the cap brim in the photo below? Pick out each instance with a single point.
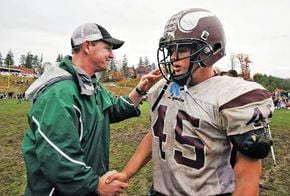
(115, 42)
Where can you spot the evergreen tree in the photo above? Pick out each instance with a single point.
(125, 67)
(147, 64)
(22, 60)
(9, 60)
(59, 58)
(26, 60)
(140, 62)
(30, 61)
(153, 66)
(113, 65)
(1, 60)
(41, 59)
(36, 62)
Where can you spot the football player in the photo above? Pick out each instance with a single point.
(200, 122)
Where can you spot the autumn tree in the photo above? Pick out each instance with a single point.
(244, 61)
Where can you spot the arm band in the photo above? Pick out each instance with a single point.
(255, 144)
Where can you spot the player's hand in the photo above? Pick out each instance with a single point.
(148, 80)
(115, 187)
(117, 176)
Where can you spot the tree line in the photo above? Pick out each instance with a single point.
(271, 82)
(29, 60)
(34, 61)
(118, 70)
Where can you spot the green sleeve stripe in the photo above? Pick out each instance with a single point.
(126, 101)
(81, 122)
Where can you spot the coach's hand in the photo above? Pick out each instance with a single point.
(121, 176)
(145, 83)
(113, 187)
(148, 80)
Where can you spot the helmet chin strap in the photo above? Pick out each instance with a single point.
(186, 79)
(181, 79)
(189, 79)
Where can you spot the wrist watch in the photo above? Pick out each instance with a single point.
(140, 92)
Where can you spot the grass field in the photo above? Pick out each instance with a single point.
(125, 137)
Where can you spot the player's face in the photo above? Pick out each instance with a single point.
(181, 66)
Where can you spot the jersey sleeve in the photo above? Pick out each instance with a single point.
(250, 107)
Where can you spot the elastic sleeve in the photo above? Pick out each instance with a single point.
(119, 108)
(122, 109)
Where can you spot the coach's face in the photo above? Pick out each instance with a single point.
(100, 55)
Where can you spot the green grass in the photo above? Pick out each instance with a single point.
(276, 179)
(13, 125)
(125, 137)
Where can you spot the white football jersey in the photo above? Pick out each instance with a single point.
(191, 149)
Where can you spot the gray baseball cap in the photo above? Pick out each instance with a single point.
(93, 32)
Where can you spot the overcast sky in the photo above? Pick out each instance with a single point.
(259, 28)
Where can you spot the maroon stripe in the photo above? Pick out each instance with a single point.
(249, 97)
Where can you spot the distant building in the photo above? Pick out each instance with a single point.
(140, 71)
(18, 71)
(131, 72)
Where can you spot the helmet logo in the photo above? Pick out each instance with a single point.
(170, 27)
(190, 20)
(204, 35)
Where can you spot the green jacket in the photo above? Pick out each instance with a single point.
(66, 147)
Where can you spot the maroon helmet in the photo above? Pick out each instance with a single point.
(197, 29)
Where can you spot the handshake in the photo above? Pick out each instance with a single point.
(112, 183)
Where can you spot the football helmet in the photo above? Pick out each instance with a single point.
(197, 29)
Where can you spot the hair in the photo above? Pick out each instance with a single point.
(222, 73)
(77, 49)
(233, 73)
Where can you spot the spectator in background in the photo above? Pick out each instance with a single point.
(232, 73)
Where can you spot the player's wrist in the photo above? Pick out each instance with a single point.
(126, 175)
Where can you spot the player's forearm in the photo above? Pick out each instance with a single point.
(248, 173)
(141, 157)
(246, 188)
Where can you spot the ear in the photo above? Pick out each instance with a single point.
(86, 47)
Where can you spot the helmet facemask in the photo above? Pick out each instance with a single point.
(200, 51)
